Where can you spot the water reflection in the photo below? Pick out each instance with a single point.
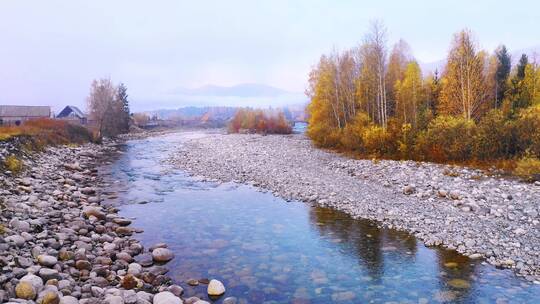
(268, 251)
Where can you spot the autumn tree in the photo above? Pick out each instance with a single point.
(464, 86)
(104, 108)
(409, 94)
(376, 60)
(400, 57)
(531, 84)
(323, 110)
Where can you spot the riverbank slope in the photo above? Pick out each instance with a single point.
(59, 244)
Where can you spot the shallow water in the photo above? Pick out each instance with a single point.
(266, 250)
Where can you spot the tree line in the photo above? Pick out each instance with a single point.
(108, 108)
(377, 102)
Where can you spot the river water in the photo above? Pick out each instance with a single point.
(267, 250)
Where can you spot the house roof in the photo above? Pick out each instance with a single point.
(25, 111)
(71, 109)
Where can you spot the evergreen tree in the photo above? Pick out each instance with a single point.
(523, 61)
(122, 97)
(504, 64)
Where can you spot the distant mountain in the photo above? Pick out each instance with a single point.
(239, 90)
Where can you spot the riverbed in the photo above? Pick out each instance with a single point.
(269, 250)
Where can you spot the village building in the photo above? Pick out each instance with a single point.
(72, 114)
(16, 115)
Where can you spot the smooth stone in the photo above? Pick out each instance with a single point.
(69, 300)
(34, 280)
(25, 290)
(129, 281)
(162, 255)
(48, 274)
(114, 300)
(83, 264)
(16, 240)
(215, 288)
(89, 211)
(50, 297)
(166, 297)
(176, 290)
(47, 260)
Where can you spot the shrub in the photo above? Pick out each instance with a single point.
(258, 121)
(447, 138)
(406, 141)
(528, 130)
(351, 137)
(528, 168)
(377, 141)
(494, 137)
(13, 164)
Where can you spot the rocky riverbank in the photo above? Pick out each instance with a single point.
(58, 244)
(459, 208)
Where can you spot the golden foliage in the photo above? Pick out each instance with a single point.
(447, 138)
(527, 131)
(464, 90)
(396, 113)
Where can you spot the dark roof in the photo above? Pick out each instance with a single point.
(25, 111)
(71, 109)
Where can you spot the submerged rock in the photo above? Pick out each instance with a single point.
(162, 255)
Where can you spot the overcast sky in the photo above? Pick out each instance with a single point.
(51, 50)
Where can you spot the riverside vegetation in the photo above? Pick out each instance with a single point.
(259, 121)
(480, 108)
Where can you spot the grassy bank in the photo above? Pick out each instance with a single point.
(34, 136)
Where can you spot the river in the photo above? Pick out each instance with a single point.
(267, 250)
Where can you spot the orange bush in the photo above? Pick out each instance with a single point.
(258, 121)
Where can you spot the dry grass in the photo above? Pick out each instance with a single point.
(48, 132)
(13, 164)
